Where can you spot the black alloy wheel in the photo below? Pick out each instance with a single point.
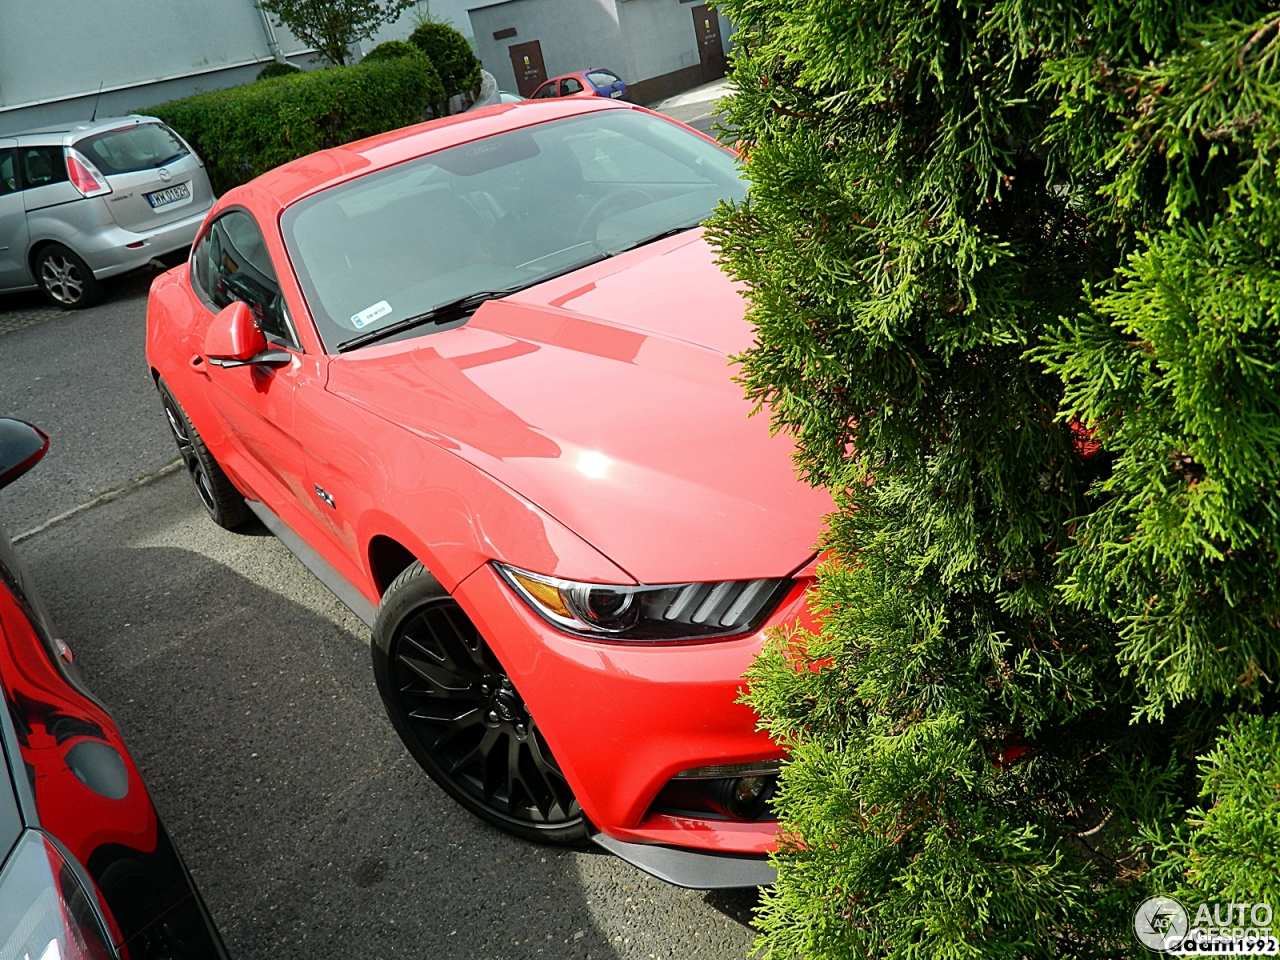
(462, 718)
(218, 494)
(65, 279)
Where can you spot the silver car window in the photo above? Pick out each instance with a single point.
(8, 172)
(42, 166)
(142, 146)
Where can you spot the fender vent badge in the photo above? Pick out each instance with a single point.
(324, 495)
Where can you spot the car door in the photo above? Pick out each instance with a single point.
(570, 86)
(13, 221)
(255, 401)
(43, 171)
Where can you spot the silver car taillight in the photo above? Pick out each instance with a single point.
(84, 176)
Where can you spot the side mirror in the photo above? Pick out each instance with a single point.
(234, 334)
(21, 447)
(235, 340)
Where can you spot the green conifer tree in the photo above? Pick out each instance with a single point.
(1013, 267)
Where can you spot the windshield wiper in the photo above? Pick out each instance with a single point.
(441, 313)
(658, 236)
(462, 306)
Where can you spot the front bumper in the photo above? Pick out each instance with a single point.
(623, 719)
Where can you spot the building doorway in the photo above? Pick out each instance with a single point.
(706, 25)
(530, 71)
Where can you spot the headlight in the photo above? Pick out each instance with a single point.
(667, 612)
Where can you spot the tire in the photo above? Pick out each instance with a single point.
(218, 494)
(65, 279)
(461, 717)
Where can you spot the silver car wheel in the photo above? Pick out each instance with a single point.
(62, 279)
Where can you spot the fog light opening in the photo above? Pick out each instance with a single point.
(747, 798)
(701, 793)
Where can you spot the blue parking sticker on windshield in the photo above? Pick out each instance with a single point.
(370, 314)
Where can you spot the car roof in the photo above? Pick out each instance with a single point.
(70, 131)
(580, 73)
(300, 178)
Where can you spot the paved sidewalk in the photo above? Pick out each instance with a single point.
(694, 107)
(19, 310)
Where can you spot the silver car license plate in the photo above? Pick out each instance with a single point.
(616, 93)
(162, 198)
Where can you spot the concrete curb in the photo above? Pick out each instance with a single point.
(100, 499)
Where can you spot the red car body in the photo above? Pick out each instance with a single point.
(587, 427)
(70, 785)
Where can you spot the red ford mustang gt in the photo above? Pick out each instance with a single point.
(474, 374)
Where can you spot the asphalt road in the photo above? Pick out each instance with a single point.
(245, 692)
(82, 377)
(696, 107)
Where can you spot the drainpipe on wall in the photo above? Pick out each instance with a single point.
(270, 31)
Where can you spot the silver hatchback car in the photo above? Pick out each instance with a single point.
(83, 202)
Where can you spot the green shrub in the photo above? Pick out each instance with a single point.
(277, 69)
(1229, 848)
(247, 130)
(1012, 268)
(392, 50)
(452, 55)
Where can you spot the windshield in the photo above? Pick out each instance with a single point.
(142, 147)
(498, 215)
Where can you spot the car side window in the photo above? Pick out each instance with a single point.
(200, 267)
(235, 266)
(8, 172)
(544, 91)
(570, 86)
(42, 166)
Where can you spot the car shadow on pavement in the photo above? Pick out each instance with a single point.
(737, 905)
(246, 696)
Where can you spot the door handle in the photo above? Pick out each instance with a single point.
(198, 365)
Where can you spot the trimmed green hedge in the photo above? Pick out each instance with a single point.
(393, 50)
(247, 130)
(277, 69)
(451, 54)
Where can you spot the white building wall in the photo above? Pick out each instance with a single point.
(662, 36)
(452, 12)
(55, 53)
(639, 39)
(573, 35)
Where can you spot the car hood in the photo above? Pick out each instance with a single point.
(606, 398)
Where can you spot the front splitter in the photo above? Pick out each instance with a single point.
(694, 869)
